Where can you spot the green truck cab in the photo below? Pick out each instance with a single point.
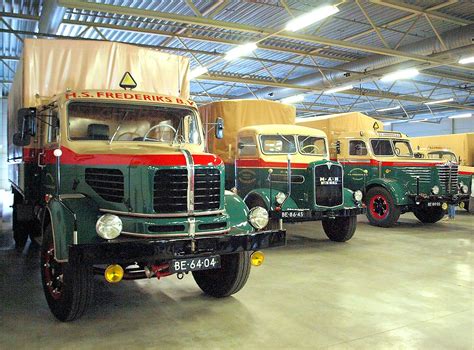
(465, 173)
(283, 168)
(118, 183)
(382, 164)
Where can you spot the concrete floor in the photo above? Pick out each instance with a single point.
(409, 287)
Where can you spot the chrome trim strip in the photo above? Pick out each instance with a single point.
(168, 215)
(71, 196)
(190, 168)
(172, 235)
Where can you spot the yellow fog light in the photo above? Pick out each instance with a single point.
(444, 206)
(257, 258)
(462, 205)
(113, 273)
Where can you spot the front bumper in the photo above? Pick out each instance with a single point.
(316, 215)
(162, 250)
(425, 200)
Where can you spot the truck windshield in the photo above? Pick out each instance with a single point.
(278, 144)
(125, 122)
(388, 147)
(444, 155)
(311, 145)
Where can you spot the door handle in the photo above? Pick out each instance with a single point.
(40, 159)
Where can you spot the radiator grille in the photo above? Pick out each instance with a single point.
(207, 189)
(170, 190)
(448, 177)
(328, 185)
(424, 173)
(107, 183)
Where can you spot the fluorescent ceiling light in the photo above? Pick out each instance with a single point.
(293, 99)
(401, 74)
(439, 101)
(338, 89)
(458, 116)
(197, 72)
(387, 123)
(240, 51)
(466, 60)
(419, 120)
(311, 17)
(388, 109)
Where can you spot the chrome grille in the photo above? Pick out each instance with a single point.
(328, 191)
(107, 183)
(424, 173)
(170, 193)
(448, 177)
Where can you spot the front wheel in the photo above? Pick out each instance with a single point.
(226, 280)
(340, 229)
(67, 287)
(429, 216)
(381, 208)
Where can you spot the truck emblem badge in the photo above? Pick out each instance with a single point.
(329, 180)
(128, 82)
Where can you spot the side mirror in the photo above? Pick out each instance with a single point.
(338, 147)
(219, 128)
(26, 125)
(240, 145)
(21, 140)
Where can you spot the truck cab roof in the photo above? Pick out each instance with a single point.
(274, 129)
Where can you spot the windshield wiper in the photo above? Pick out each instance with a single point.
(118, 127)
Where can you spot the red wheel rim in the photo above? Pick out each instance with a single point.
(379, 207)
(53, 274)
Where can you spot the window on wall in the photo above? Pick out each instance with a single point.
(247, 146)
(382, 147)
(357, 148)
(53, 127)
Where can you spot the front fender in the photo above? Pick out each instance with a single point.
(267, 197)
(238, 213)
(65, 215)
(396, 189)
(349, 201)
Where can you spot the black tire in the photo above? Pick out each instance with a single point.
(429, 216)
(67, 287)
(228, 279)
(20, 231)
(340, 229)
(381, 208)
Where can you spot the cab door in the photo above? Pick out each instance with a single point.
(356, 163)
(246, 165)
(49, 137)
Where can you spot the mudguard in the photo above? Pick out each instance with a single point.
(265, 195)
(396, 189)
(238, 213)
(349, 201)
(65, 215)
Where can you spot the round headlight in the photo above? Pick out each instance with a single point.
(280, 197)
(358, 196)
(108, 226)
(435, 189)
(464, 189)
(258, 217)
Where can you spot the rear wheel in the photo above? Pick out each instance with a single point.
(340, 229)
(429, 216)
(381, 208)
(226, 280)
(67, 287)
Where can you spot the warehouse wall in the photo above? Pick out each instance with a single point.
(446, 126)
(3, 144)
